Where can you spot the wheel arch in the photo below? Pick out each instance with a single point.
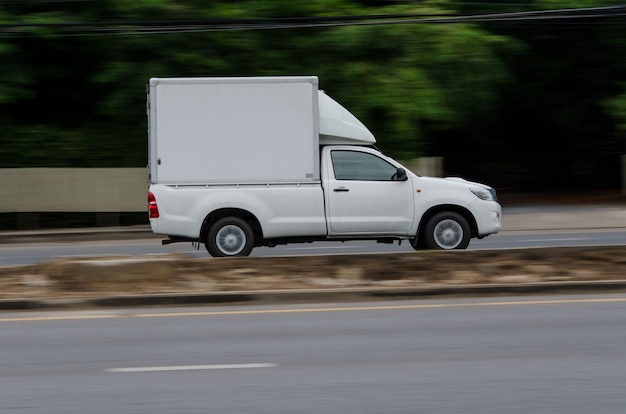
(245, 215)
(430, 213)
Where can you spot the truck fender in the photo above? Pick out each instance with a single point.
(432, 211)
(243, 205)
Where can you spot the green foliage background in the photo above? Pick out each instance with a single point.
(520, 104)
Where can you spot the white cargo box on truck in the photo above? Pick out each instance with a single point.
(267, 126)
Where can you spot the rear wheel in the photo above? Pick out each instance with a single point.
(447, 230)
(230, 236)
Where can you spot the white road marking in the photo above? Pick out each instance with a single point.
(191, 368)
(75, 256)
(177, 251)
(324, 247)
(556, 240)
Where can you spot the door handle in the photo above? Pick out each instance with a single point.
(341, 190)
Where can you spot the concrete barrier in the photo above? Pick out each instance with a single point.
(426, 166)
(92, 190)
(623, 168)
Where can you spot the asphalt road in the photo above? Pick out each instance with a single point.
(512, 355)
(30, 253)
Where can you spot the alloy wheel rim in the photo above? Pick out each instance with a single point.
(230, 240)
(448, 234)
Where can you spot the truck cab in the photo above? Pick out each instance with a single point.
(431, 212)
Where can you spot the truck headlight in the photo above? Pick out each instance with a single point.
(487, 194)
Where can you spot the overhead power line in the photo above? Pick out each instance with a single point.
(219, 25)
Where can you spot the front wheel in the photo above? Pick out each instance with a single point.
(447, 230)
(230, 236)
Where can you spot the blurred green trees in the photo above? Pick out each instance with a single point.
(521, 104)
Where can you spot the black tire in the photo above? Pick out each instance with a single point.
(229, 236)
(446, 231)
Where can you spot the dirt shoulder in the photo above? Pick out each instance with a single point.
(177, 274)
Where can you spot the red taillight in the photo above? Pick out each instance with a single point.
(153, 210)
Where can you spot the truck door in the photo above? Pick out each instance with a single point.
(364, 196)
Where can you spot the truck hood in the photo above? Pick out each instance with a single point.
(452, 181)
(469, 183)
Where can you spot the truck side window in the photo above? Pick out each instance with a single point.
(361, 166)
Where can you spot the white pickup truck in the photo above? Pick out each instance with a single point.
(236, 163)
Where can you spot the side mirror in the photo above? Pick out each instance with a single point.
(400, 175)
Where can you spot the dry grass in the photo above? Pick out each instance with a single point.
(180, 274)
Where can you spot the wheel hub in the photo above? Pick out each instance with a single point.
(448, 235)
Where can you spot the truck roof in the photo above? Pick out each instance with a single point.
(339, 126)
